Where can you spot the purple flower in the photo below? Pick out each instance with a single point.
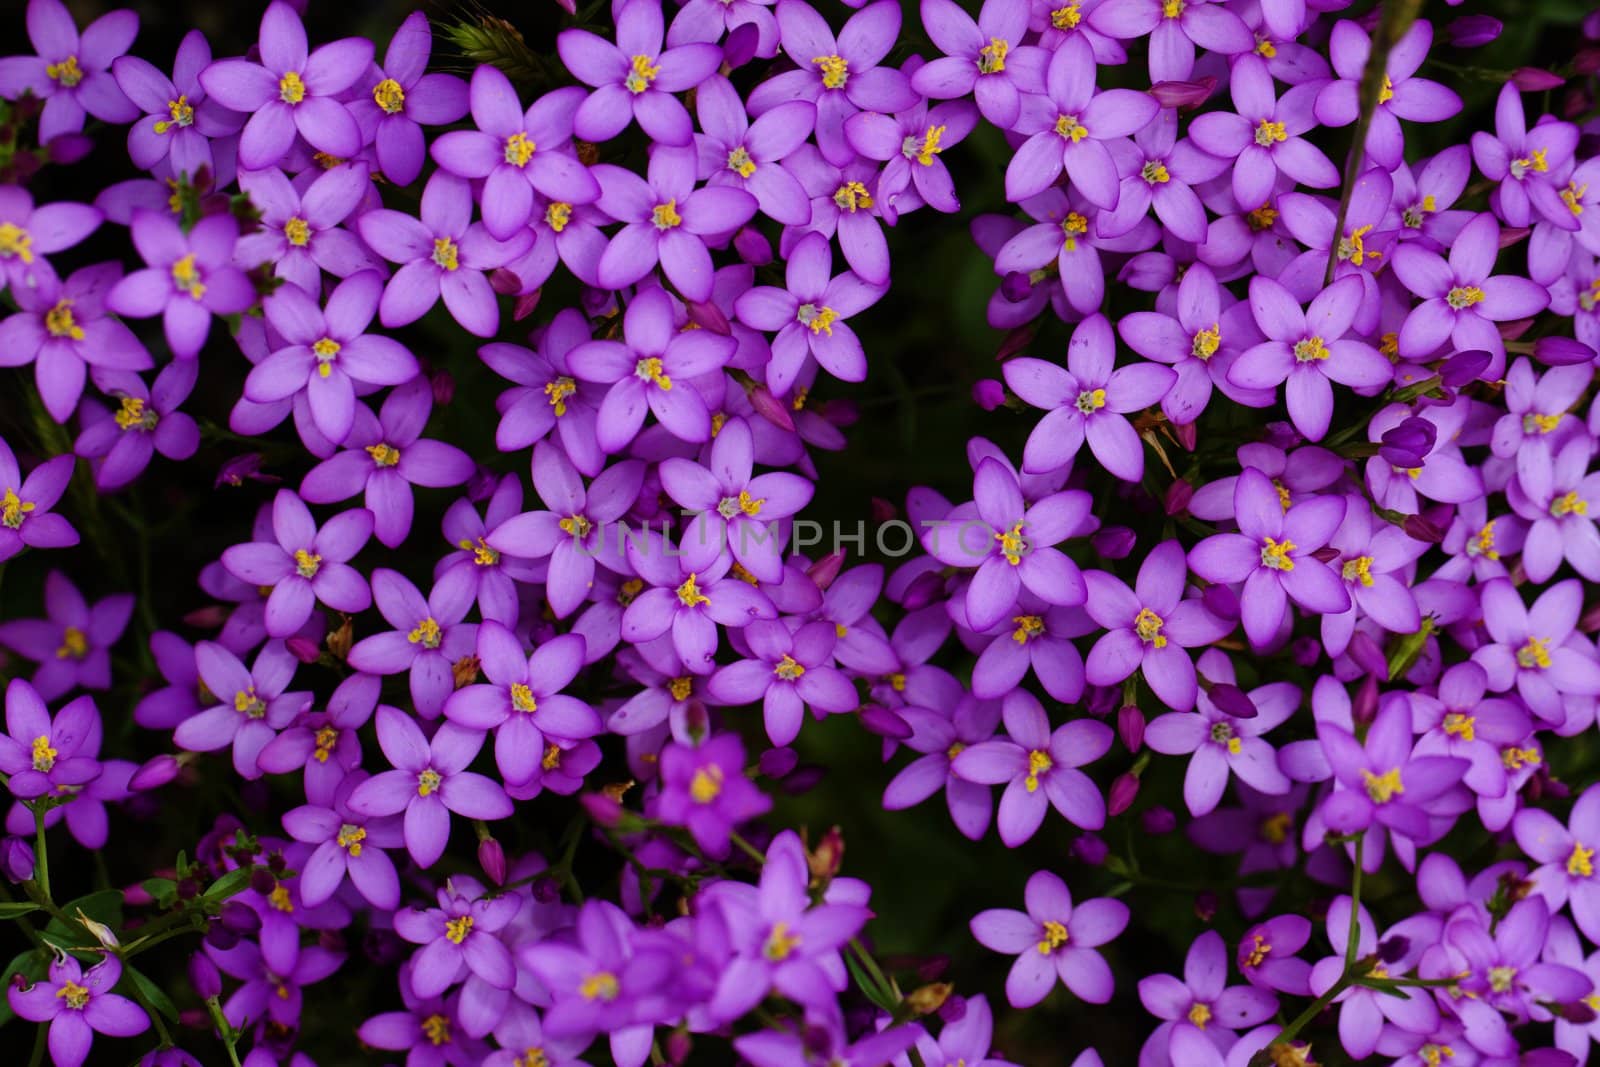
(786, 672)
(71, 74)
(1053, 938)
(147, 420)
(1141, 627)
(403, 99)
(1262, 135)
(1039, 638)
(25, 518)
(1039, 768)
(781, 941)
(941, 736)
(1309, 349)
(41, 757)
(547, 395)
(28, 233)
(429, 782)
(1199, 1015)
(1013, 546)
(1174, 29)
(911, 143)
(1459, 720)
(299, 234)
(386, 456)
(704, 789)
(597, 977)
(735, 152)
(1402, 96)
(289, 91)
(1272, 555)
(690, 595)
(427, 639)
(1087, 400)
(1536, 649)
(1524, 161)
(666, 220)
(180, 121)
(189, 277)
(986, 58)
(966, 1039)
(459, 936)
(574, 533)
(1553, 494)
(1384, 781)
(1566, 874)
(76, 1003)
(325, 744)
(1073, 127)
(810, 316)
(1067, 236)
(72, 645)
(523, 701)
(62, 327)
(1461, 302)
(487, 575)
(1163, 180)
(1363, 1011)
(1372, 563)
(774, 1048)
(250, 707)
(517, 152)
(304, 565)
(842, 204)
(1267, 955)
(1537, 406)
(273, 973)
(444, 254)
(634, 79)
(649, 370)
(841, 75)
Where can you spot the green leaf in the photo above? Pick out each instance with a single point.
(152, 993)
(233, 882)
(867, 985)
(164, 891)
(17, 910)
(104, 906)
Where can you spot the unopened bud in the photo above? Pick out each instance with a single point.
(752, 247)
(601, 808)
(340, 640)
(1186, 433)
(99, 931)
(1158, 820)
(885, 723)
(771, 408)
(1473, 31)
(1422, 529)
(203, 976)
(1176, 500)
(1015, 341)
(1122, 794)
(740, 47)
(492, 858)
(678, 1044)
(1205, 906)
(1464, 368)
(156, 772)
(1562, 352)
(1183, 95)
(1113, 542)
(504, 282)
(207, 618)
(1221, 601)
(444, 387)
(16, 859)
(1586, 62)
(1231, 700)
(1090, 849)
(1305, 651)
(1016, 287)
(925, 1000)
(304, 649)
(1130, 727)
(1576, 1012)
(777, 762)
(525, 305)
(1535, 80)
(263, 882)
(988, 393)
(1364, 706)
(826, 859)
(883, 510)
(1364, 650)
(708, 316)
(826, 569)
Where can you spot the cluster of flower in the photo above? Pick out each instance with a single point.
(1415, 529)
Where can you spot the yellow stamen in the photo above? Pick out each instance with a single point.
(1206, 342)
(649, 370)
(522, 698)
(44, 757)
(1464, 296)
(992, 56)
(558, 389)
(389, 96)
(15, 241)
(557, 215)
(74, 994)
(1310, 350)
(67, 72)
(1275, 828)
(427, 634)
(350, 838)
(59, 321)
(384, 455)
(1358, 570)
(1147, 624)
(1572, 196)
(1155, 172)
(436, 1028)
(248, 704)
(326, 349)
(186, 277)
(1069, 128)
(788, 669)
(835, 71)
(1569, 504)
(740, 163)
(706, 784)
(519, 149)
(1535, 654)
(1199, 1014)
(600, 986)
(1028, 627)
(1381, 788)
(291, 90)
(458, 928)
(1259, 949)
(1066, 18)
(1012, 544)
(1581, 863)
(689, 594)
(1091, 400)
(1038, 763)
(1055, 935)
(428, 782)
(1275, 554)
(1460, 725)
(1516, 758)
(327, 739)
(1352, 248)
(818, 319)
(13, 510)
(640, 74)
(1262, 218)
(1536, 423)
(780, 942)
(851, 197)
(1501, 978)
(1534, 161)
(576, 525)
(134, 413)
(297, 231)
(445, 253)
(1386, 93)
(929, 145)
(74, 644)
(1270, 133)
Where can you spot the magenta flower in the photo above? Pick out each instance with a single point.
(1273, 555)
(402, 99)
(303, 564)
(488, 576)
(649, 370)
(704, 789)
(1524, 161)
(1087, 400)
(1011, 544)
(430, 780)
(146, 421)
(1403, 96)
(45, 757)
(911, 144)
(1461, 302)
(1309, 350)
(347, 844)
(180, 121)
(517, 152)
(1553, 494)
(1383, 781)
(786, 672)
(842, 205)
(72, 75)
(1039, 769)
(1174, 31)
(273, 971)
(690, 595)
(1267, 955)
(299, 233)
(385, 457)
(1536, 650)
(1363, 1011)
(547, 395)
(290, 91)
(733, 508)
(1150, 629)
(522, 702)
(1566, 874)
(444, 254)
(634, 79)
(428, 638)
(76, 1003)
(666, 220)
(72, 645)
(30, 233)
(325, 744)
(810, 316)
(841, 75)
(459, 936)
(328, 352)
(251, 705)
(1198, 1015)
(1040, 638)
(985, 58)
(1074, 127)
(749, 155)
(1262, 135)
(188, 278)
(1053, 939)
(937, 734)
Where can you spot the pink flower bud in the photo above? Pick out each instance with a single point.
(525, 305)
(708, 316)
(1122, 794)
(1368, 656)
(1014, 342)
(1562, 352)
(988, 393)
(771, 408)
(601, 808)
(1090, 849)
(16, 859)
(752, 247)
(206, 618)
(204, 977)
(504, 282)
(305, 650)
(1364, 708)
(1185, 96)
(1472, 31)
(826, 569)
(1534, 80)
(883, 510)
(1205, 906)
(1113, 542)
(1016, 287)
(156, 772)
(1422, 529)
(884, 723)
(1158, 820)
(777, 762)
(492, 858)
(740, 47)
(444, 388)
(1130, 727)
(1187, 434)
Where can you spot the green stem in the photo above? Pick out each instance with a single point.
(225, 1029)
(41, 858)
(1353, 942)
(748, 849)
(37, 1059)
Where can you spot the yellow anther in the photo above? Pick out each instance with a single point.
(427, 634)
(186, 277)
(835, 71)
(248, 704)
(74, 644)
(1206, 342)
(600, 986)
(1066, 18)
(740, 163)
(291, 90)
(706, 784)
(519, 149)
(1310, 350)
(1028, 627)
(60, 323)
(1259, 950)
(1502, 978)
(992, 56)
(350, 838)
(552, 756)
(1572, 196)
(1199, 1013)
(1536, 423)
(640, 74)
(326, 349)
(74, 994)
(577, 525)
(557, 215)
(15, 241)
(1091, 400)
(389, 96)
(1464, 296)
(788, 668)
(1358, 570)
(649, 370)
(1275, 554)
(558, 389)
(1069, 128)
(1386, 93)
(1265, 48)
(522, 698)
(817, 319)
(67, 72)
(1055, 935)
(928, 147)
(1012, 544)
(1275, 828)
(1569, 504)
(1461, 725)
(1039, 762)
(44, 757)
(436, 1028)
(1533, 161)
(428, 782)
(1382, 788)
(445, 253)
(327, 739)
(1516, 758)
(1581, 863)
(1262, 218)
(1147, 624)
(134, 413)
(1269, 133)
(852, 197)
(457, 929)
(680, 687)
(384, 455)
(1354, 250)
(1535, 655)
(780, 942)
(1155, 172)
(689, 594)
